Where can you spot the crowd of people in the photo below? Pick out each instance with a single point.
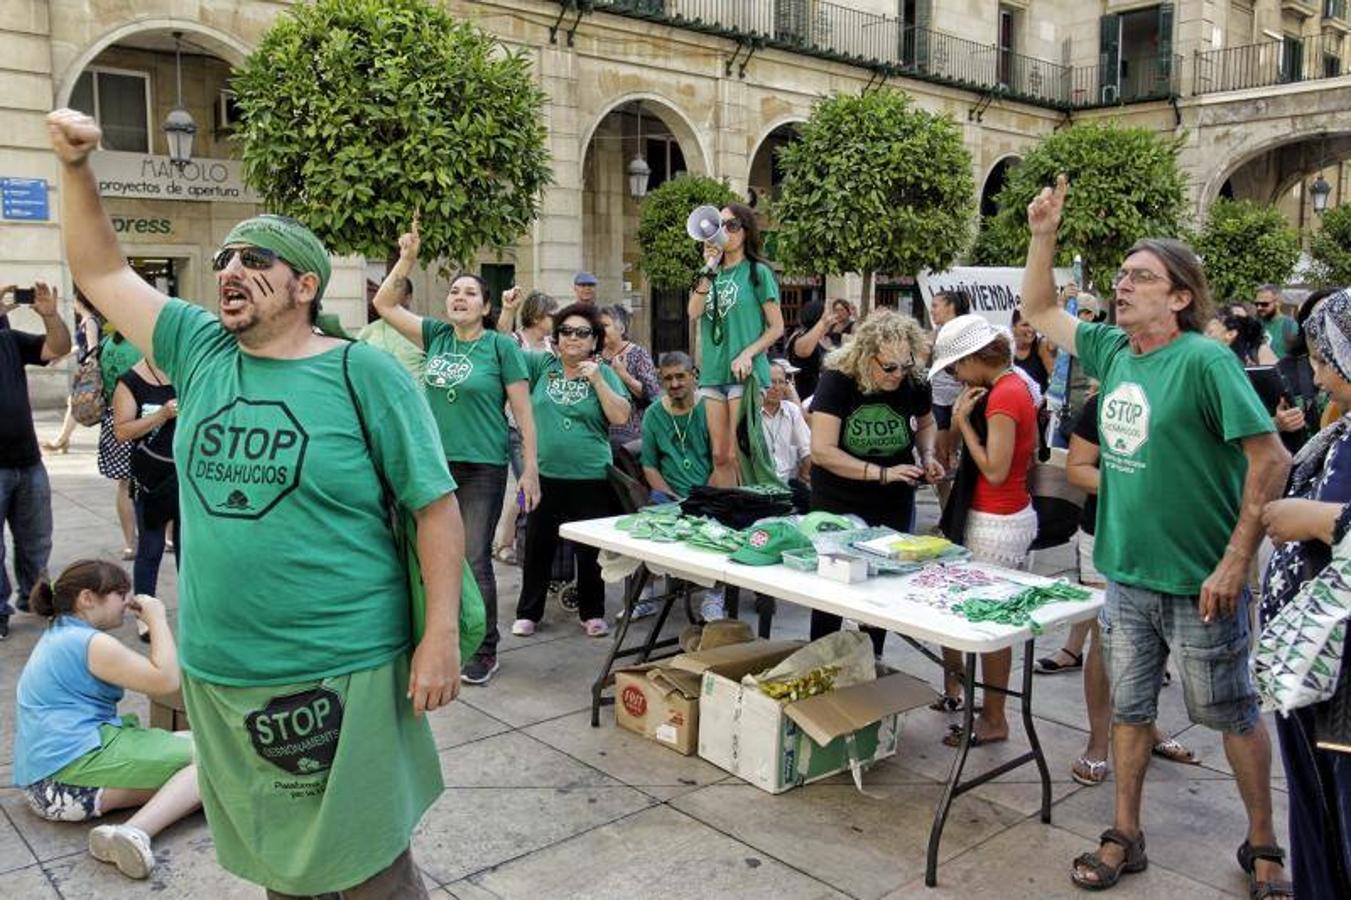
(303, 451)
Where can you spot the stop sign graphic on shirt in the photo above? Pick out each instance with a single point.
(245, 457)
(1123, 418)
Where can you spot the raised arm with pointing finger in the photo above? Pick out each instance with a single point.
(1039, 304)
(97, 263)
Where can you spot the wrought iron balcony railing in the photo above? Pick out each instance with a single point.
(886, 45)
(1269, 63)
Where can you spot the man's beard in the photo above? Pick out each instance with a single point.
(259, 327)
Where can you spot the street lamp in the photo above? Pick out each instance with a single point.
(638, 169)
(179, 128)
(1319, 192)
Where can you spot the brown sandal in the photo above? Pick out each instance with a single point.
(1107, 876)
(1247, 860)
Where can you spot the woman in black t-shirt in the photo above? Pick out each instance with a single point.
(145, 411)
(871, 412)
(806, 347)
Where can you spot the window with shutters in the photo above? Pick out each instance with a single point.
(1135, 60)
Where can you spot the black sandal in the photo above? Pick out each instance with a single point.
(1247, 861)
(1048, 666)
(1107, 876)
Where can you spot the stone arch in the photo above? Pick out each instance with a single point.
(1338, 140)
(227, 46)
(773, 126)
(697, 154)
(993, 179)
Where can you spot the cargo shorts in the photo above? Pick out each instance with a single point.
(1141, 628)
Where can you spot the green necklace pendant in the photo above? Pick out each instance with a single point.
(452, 395)
(567, 424)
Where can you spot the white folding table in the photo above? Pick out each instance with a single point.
(879, 601)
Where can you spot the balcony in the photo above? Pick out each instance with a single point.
(885, 45)
(1337, 15)
(1268, 64)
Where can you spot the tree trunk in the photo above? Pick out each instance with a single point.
(865, 303)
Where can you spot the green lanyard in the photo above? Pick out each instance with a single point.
(1017, 610)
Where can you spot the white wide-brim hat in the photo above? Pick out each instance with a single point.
(960, 338)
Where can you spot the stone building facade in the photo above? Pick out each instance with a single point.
(1254, 87)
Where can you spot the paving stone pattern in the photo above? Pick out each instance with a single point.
(539, 805)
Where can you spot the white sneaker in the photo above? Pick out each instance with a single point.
(642, 610)
(126, 847)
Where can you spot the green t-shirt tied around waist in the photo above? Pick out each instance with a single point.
(574, 435)
(314, 786)
(116, 357)
(295, 574)
(1171, 422)
(734, 319)
(466, 387)
(677, 446)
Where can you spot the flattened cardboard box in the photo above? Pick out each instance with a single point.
(777, 746)
(661, 700)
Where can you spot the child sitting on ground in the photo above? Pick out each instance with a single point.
(74, 756)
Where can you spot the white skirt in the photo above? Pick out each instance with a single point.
(1001, 540)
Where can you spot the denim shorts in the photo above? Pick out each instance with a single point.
(1141, 627)
(722, 392)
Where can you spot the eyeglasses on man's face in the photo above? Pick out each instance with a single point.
(1138, 277)
(255, 258)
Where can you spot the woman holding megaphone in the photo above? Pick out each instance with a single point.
(736, 302)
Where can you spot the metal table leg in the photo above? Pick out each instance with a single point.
(955, 787)
(635, 590)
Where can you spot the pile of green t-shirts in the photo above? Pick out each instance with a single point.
(1017, 610)
(666, 524)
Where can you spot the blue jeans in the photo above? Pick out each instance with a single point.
(150, 551)
(478, 490)
(1139, 629)
(26, 505)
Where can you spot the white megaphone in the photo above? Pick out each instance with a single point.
(705, 225)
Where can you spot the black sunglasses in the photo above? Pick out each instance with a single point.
(256, 258)
(893, 368)
(580, 331)
(732, 225)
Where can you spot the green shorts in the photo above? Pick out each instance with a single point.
(130, 757)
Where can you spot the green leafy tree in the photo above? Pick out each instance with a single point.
(1244, 245)
(874, 184)
(1125, 184)
(669, 258)
(1331, 248)
(357, 113)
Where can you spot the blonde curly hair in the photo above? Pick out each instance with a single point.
(882, 328)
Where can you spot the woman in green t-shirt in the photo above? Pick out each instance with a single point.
(736, 303)
(575, 399)
(469, 376)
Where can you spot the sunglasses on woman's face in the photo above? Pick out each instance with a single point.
(732, 226)
(580, 331)
(256, 258)
(893, 368)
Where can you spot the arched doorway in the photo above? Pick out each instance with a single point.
(994, 183)
(763, 184)
(646, 127)
(1282, 173)
(168, 219)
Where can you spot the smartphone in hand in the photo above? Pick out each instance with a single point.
(25, 296)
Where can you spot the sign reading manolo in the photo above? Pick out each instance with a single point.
(153, 177)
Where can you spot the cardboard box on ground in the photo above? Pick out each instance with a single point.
(697, 700)
(168, 712)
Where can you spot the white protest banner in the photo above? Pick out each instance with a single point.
(995, 291)
(149, 177)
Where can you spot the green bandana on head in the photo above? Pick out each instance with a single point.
(288, 239)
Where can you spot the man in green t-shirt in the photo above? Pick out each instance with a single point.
(675, 454)
(1189, 458)
(1280, 328)
(295, 624)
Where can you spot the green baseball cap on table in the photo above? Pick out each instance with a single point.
(766, 541)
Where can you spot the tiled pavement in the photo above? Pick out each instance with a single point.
(540, 805)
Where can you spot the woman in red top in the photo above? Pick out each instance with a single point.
(1000, 437)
